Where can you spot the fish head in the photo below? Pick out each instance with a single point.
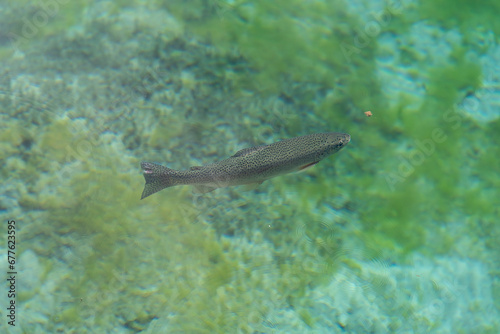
(332, 142)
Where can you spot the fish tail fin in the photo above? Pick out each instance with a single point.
(157, 178)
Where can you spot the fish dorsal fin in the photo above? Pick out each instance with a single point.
(247, 151)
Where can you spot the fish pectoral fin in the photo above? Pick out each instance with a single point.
(195, 167)
(307, 166)
(251, 186)
(203, 189)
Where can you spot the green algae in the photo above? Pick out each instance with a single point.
(463, 14)
(449, 81)
(306, 316)
(292, 52)
(397, 213)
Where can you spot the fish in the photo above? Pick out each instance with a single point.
(249, 166)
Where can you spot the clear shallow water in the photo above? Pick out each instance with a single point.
(396, 233)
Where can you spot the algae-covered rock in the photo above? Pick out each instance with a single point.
(366, 242)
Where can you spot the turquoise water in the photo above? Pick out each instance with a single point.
(396, 233)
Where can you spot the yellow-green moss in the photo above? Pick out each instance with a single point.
(57, 139)
(306, 317)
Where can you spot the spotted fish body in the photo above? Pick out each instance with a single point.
(251, 165)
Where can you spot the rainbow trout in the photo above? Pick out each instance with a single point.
(250, 166)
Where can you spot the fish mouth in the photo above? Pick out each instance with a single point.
(346, 138)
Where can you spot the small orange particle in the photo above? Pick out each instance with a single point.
(368, 113)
